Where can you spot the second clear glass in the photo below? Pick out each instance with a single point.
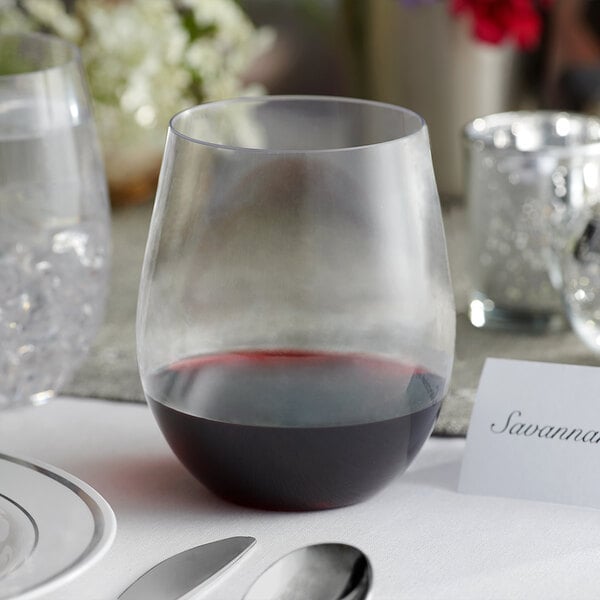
(54, 218)
(296, 321)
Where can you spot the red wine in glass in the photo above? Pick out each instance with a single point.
(295, 430)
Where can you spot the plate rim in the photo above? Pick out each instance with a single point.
(101, 511)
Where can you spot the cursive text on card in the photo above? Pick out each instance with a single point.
(514, 426)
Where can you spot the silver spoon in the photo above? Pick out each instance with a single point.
(317, 572)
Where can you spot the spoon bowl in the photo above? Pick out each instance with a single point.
(317, 572)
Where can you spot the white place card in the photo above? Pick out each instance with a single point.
(535, 433)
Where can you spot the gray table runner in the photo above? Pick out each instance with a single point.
(111, 372)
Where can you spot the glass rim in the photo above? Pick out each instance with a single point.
(471, 133)
(72, 54)
(422, 125)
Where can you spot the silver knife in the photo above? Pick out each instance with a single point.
(180, 574)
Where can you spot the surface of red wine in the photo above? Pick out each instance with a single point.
(294, 430)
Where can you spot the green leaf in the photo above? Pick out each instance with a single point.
(194, 29)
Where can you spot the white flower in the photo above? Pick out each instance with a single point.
(51, 13)
(148, 59)
(11, 18)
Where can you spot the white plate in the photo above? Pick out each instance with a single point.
(53, 526)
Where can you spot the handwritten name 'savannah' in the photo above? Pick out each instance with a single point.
(513, 426)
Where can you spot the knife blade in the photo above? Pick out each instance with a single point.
(178, 575)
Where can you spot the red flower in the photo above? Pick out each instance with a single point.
(496, 20)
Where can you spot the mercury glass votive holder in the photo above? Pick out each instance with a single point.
(529, 176)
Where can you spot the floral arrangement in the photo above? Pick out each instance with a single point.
(148, 59)
(495, 21)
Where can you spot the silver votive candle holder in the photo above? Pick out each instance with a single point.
(530, 178)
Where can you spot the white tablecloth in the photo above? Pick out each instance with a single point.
(425, 540)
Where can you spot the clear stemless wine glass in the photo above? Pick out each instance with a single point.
(295, 320)
(54, 218)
